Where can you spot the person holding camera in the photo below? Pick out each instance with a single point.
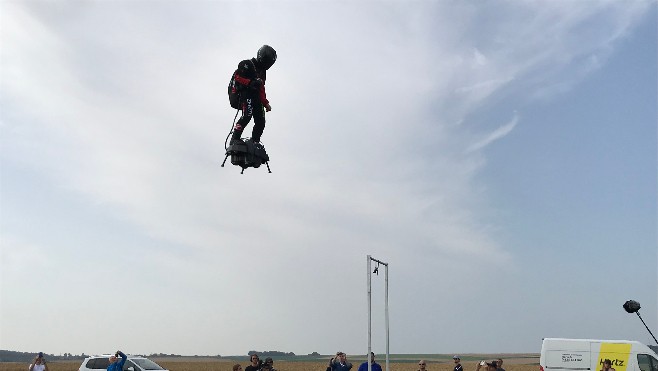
(490, 366)
(339, 363)
(115, 363)
(270, 363)
(39, 363)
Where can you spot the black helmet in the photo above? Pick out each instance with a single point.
(266, 56)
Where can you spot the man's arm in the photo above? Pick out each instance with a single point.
(241, 80)
(123, 359)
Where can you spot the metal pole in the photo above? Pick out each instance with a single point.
(386, 309)
(369, 264)
(369, 314)
(647, 327)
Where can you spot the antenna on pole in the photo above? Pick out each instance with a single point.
(370, 271)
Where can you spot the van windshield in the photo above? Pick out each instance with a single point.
(146, 364)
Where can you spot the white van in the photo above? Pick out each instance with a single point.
(588, 355)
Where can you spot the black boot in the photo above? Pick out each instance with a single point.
(256, 132)
(235, 138)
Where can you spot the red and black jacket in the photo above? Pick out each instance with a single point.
(247, 72)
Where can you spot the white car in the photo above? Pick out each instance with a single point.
(133, 363)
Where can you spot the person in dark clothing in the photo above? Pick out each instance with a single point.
(499, 363)
(270, 363)
(250, 83)
(374, 366)
(458, 365)
(339, 363)
(115, 363)
(255, 363)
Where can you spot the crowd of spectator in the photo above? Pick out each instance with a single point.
(336, 363)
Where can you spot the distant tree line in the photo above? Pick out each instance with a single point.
(271, 353)
(164, 355)
(12, 356)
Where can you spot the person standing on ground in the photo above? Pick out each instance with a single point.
(269, 361)
(458, 365)
(499, 363)
(421, 365)
(255, 363)
(39, 363)
(339, 363)
(374, 365)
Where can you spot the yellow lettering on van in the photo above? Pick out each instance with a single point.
(617, 354)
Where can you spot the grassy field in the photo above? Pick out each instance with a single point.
(511, 364)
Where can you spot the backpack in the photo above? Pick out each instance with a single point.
(247, 69)
(233, 93)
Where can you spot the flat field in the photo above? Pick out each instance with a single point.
(524, 364)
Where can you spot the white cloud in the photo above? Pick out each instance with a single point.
(123, 105)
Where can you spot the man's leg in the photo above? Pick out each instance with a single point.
(259, 122)
(247, 112)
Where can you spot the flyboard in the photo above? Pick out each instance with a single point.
(247, 153)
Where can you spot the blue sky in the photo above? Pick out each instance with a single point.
(501, 156)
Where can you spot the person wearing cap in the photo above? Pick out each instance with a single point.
(458, 365)
(499, 364)
(491, 366)
(421, 365)
(270, 363)
(374, 366)
(115, 364)
(39, 363)
(339, 363)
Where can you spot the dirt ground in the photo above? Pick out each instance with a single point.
(511, 363)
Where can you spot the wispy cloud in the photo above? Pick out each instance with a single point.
(495, 135)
